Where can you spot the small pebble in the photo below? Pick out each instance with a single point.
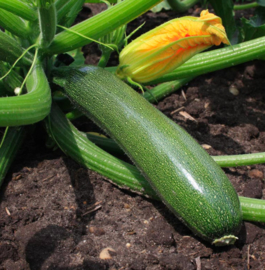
(255, 174)
(128, 245)
(96, 231)
(206, 146)
(105, 255)
(233, 90)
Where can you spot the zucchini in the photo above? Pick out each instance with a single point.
(184, 176)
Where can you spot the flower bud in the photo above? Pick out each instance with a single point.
(169, 45)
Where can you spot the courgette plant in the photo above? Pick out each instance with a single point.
(37, 31)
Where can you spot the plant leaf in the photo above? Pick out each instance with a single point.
(261, 2)
(255, 26)
(159, 7)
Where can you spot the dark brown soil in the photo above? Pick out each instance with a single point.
(54, 214)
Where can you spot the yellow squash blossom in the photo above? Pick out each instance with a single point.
(166, 47)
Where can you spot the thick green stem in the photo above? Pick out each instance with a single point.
(240, 160)
(19, 8)
(9, 148)
(100, 25)
(164, 89)
(253, 209)
(217, 59)
(103, 61)
(31, 107)
(246, 6)
(47, 21)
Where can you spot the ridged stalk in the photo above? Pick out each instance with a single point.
(20, 8)
(76, 145)
(9, 148)
(47, 21)
(14, 24)
(253, 209)
(31, 107)
(100, 25)
(206, 62)
(164, 89)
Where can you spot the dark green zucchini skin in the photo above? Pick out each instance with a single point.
(184, 176)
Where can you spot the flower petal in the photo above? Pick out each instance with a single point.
(168, 46)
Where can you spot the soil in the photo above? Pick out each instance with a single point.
(55, 214)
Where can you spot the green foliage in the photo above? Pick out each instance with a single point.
(254, 27)
(163, 5)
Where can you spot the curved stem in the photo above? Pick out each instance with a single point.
(28, 108)
(246, 6)
(104, 58)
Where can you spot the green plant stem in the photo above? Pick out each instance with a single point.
(47, 21)
(206, 62)
(76, 145)
(14, 24)
(164, 89)
(104, 58)
(31, 107)
(181, 6)
(9, 147)
(253, 209)
(19, 8)
(240, 160)
(246, 6)
(100, 25)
